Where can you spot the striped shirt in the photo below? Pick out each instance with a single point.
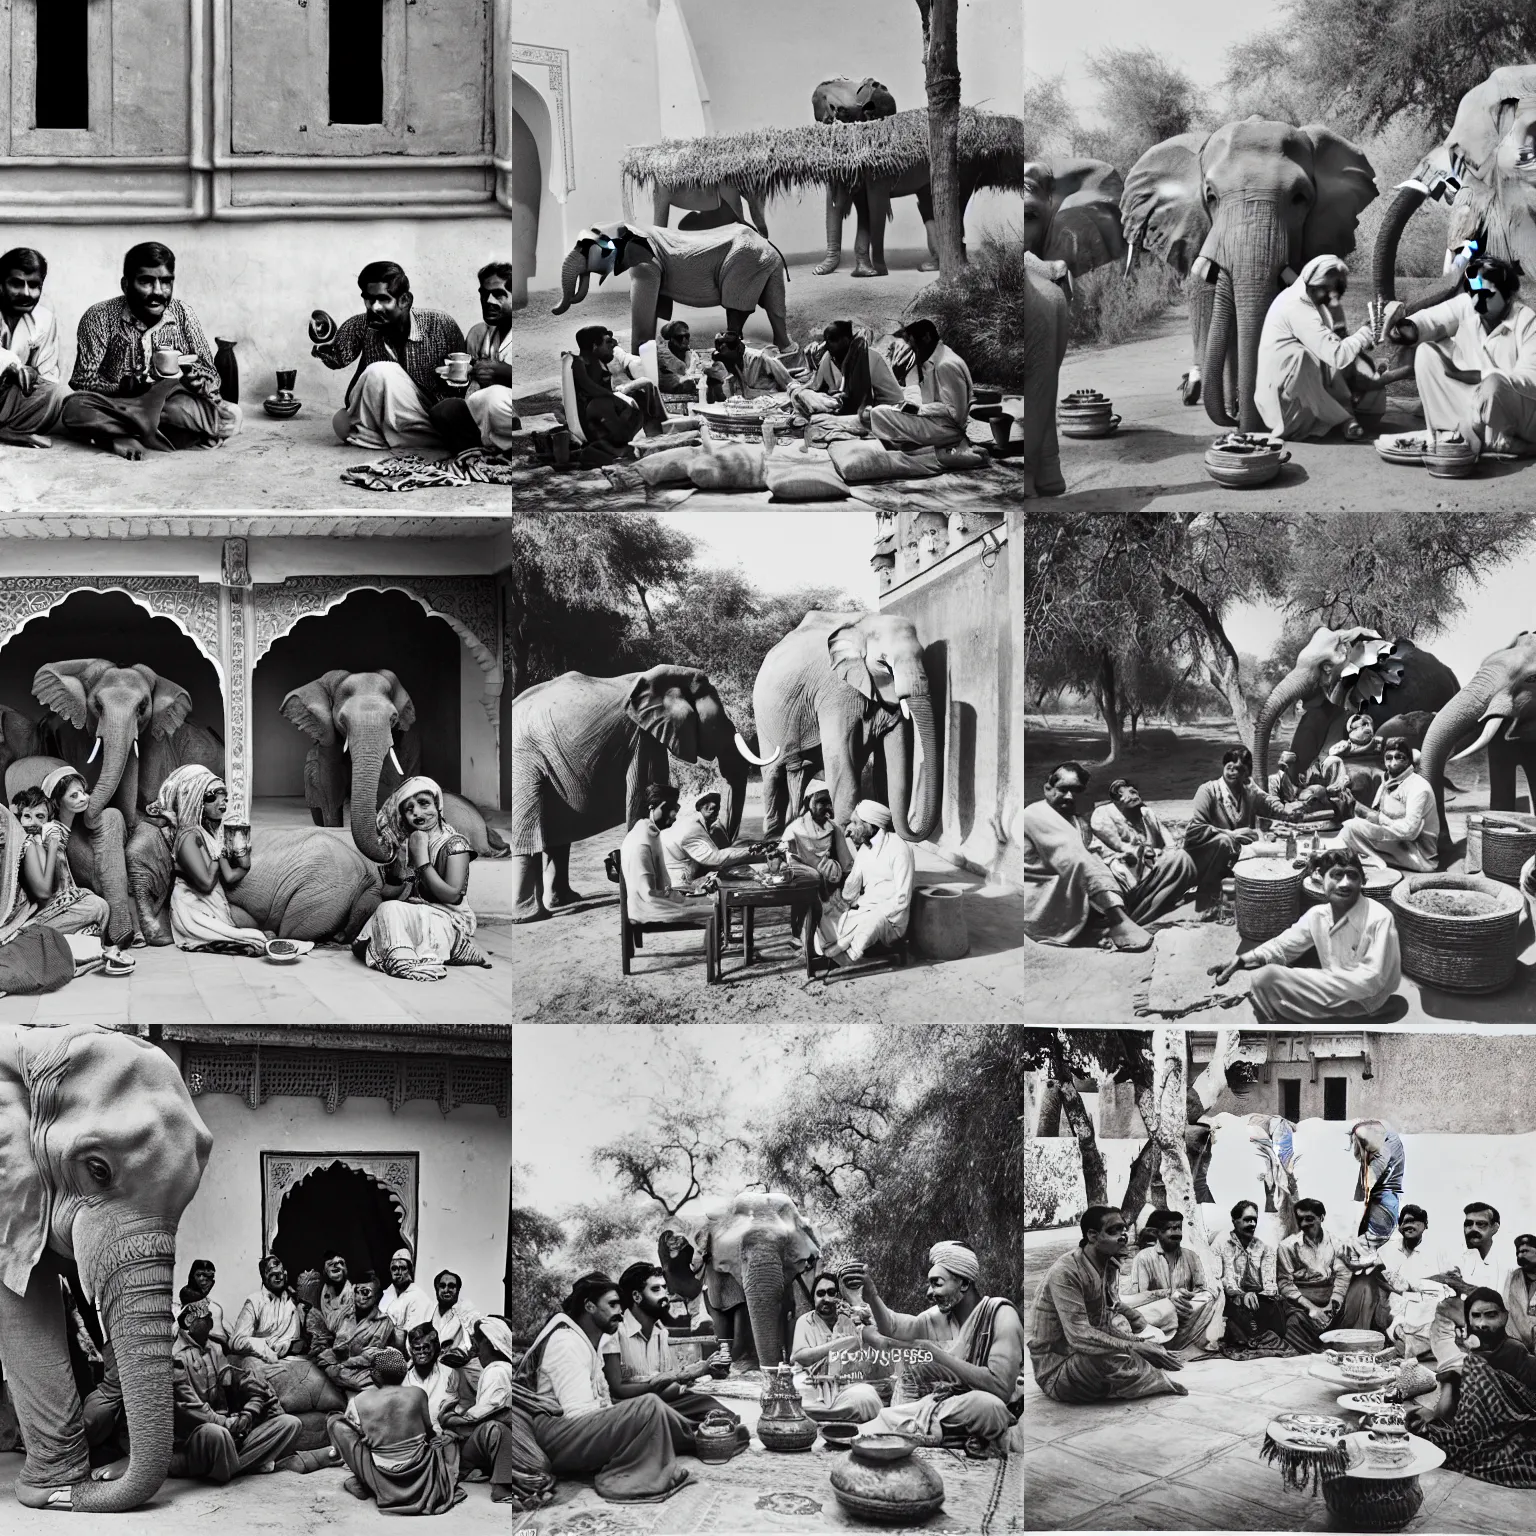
(433, 336)
(113, 344)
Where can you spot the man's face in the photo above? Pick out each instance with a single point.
(424, 1352)
(200, 1328)
(652, 1301)
(1171, 1238)
(336, 1271)
(274, 1275)
(1112, 1240)
(22, 291)
(1233, 774)
(821, 807)
(944, 1289)
(34, 818)
(607, 1312)
(826, 1299)
(1395, 762)
(365, 1297)
(383, 308)
(203, 1280)
(148, 291)
(709, 812)
(664, 815)
(604, 350)
(680, 339)
(1525, 1257)
(1311, 1225)
(838, 347)
(495, 302)
(859, 832)
(729, 350)
(1362, 731)
(447, 1293)
(1342, 885)
(1247, 1224)
(400, 1272)
(1288, 762)
(1484, 1318)
(1128, 798)
(1411, 1228)
(1478, 1228)
(1062, 793)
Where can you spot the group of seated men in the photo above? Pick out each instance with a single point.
(864, 870)
(370, 1340)
(145, 378)
(610, 1400)
(855, 390)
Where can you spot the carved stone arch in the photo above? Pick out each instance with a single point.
(396, 1174)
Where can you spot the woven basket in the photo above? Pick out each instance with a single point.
(1238, 466)
(1379, 885)
(1268, 897)
(1448, 460)
(1458, 954)
(1507, 844)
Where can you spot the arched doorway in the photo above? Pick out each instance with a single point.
(527, 191)
(368, 631)
(342, 1208)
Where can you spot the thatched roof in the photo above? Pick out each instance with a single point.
(774, 162)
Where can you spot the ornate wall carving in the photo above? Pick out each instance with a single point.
(398, 1174)
(556, 63)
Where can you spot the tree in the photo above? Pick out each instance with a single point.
(534, 1288)
(941, 67)
(611, 1234)
(1049, 120)
(1143, 99)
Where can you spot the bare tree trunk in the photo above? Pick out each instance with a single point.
(1170, 1114)
(1095, 1178)
(943, 83)
(1221, 665)
(1139, 1185)
(1106, 695)
(1049, 1121)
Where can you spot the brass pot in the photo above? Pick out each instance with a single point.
(901, 1492)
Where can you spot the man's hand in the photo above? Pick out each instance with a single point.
(1133, 1316)
(1247, 834)
(486, 370)
(26, 377)
(691, 1372)
(1225, 973)
(1182, 1305)
(1156, 1354)
(417, 849)
(1250, 1300)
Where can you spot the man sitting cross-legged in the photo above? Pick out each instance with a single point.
(269, 1325)
(1314, 1274)
(814, 840)
(647, 884)
(1402, 826)
(486, 416)
(1169, 1287)
(395, 1454)
(347, 1358)
(825, 1339)
(1356, 943)
(851, 377)
(398, 349)
(963, 1353)
(611, 414)
(1131, 832)
(121, 400)
(876, 898)
(945, 380)
(495, 1431)
(32, 391)
(333, 1304)
(225, 1422)
(630, 1448)
(1410, 1260)
(1254, 1317)
(637, 1357)
(736, 370)
(440, 1382)
(1066, 883)
(455, 1321)
(404, 1302)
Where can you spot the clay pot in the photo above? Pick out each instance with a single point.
(1448, 460)
(1086, 413)
(1240, 460)
(901, 1492)
(715, 1438)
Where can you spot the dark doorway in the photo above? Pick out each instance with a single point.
(357, 61)
(342, 1208)
(1290, 1099)
(63, 98)
(1335, 1098)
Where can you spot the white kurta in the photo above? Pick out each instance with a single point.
(1361, 966)
(1408, 834)
(647, 884)
(1298, 390)
(491, 405)
(34, 342)
(945, 385)
(881, 883)
(1503, 403)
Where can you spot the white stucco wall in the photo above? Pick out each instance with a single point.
(257, 282)
(477, 735)
(462, 1199)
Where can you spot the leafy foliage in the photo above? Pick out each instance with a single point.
(1144, 98)
(980, 311)
(1109, 307)
(534, 1288)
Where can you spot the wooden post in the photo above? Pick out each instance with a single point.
(943, 84)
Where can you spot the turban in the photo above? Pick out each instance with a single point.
(874, 813)
(498, 1334)
(815, 787)
(959, 1260)
(403, 1253)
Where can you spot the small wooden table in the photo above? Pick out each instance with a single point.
(740, 887)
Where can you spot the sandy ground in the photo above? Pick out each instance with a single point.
(1192, 1463)
(1083, 984)
(282, 1502)
(567, 969)
(292, 465)
(1154, 460)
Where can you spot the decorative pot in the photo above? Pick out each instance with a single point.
(1002, 429)
(783, 1425)
(228, 369)
(900, 1492)
(1450, 459)
(1240, 460)
(283, 404)
(1086, 413)
(715, 1438)
(938, 927)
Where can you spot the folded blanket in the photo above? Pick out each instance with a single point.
(1179, 982)
(412, 472)
(36, 960)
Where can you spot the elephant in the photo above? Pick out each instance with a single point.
(356, 716)
(584, 750)
(21, 736)
(709, 207)
(1341, 672)
(845, 681)
(1497, 711)
(1047, 330)
(733, 266)
(750, 1251)
(101, 1151)
(1483, 170)
(1244, 208)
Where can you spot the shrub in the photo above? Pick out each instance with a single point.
(980, 312)
(1109, 308)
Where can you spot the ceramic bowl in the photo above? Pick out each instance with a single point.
(283, 952)
(838, 1437)
(280, 408)
(885, 1447)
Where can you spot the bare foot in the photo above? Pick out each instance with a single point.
(564, 898)
(129, 448)
(1126, 936)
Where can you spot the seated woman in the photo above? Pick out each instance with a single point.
(192, 802)
(424, 924)
(1312, 378)
(1357, 952)
(1225, 819)
(46, 814)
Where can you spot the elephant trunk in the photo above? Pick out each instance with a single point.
(1484, 701)
(1220, 338)
(1251, 248)
(915, 797)
(1291, 689)
(1406, 202)
(574, 281)
(119, 766)
(733, 769)
(763, 1283)
(367, 764)
(135, 1298)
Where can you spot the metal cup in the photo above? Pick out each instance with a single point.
(237, 839)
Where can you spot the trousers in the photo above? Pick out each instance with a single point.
(210, 1452)
(631, 1449)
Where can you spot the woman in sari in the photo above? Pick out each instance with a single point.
(424, 924)
(192, 802)
(1225, 818)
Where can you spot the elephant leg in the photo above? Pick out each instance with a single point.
(1200, 309)
(645, 304)
(839, 766)
(743, 1345)
(862, 266)
(924, 196)
(1501, 777)
(759, 217)
(150, 877)
(108, 864)
(731, 198)
(838, 202)
(528, 888)
(42, 1385)
(661, 206)
(774, 301)
(560, 892)
(1046, 323)
(775, 798)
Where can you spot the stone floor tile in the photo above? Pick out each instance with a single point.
(1177, 1507)
(1144, 1443)
(1060, 1487)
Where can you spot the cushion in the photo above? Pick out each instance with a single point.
(962, 457)
(805, 481)
(730, 467)
(669, 467)
(861, 461)
(302, 1387)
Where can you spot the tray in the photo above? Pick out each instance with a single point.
(1402, 447)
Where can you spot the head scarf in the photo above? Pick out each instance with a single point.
(498, 1334)
(180, 800)
(393, 832)
(874, 813)
(57, 777)
(959, 1260)
(815, 787)
(1320, 269)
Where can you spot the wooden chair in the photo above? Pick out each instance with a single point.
(632, 934)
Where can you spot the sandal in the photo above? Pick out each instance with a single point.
(119, 965)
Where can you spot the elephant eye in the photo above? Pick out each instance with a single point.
(99, 1171)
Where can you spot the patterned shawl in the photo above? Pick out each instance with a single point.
(180, 800)
(16, 907)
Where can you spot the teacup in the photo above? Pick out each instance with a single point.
(166, 361)
(456, 365)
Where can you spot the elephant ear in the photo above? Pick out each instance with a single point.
(402, 702)
(1085, 225)
(63, 686)
(660, 704)
(30, 1080)
(1162, 209)
(1345, 183)
(845, 646)
(169, 703)
(311, 707)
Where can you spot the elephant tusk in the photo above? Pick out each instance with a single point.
(1489, 731)
(344, 746)
(1131, 253)
(133, 743)
(94, 750)
(396, 761)
(752, 757)
(906, 709)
